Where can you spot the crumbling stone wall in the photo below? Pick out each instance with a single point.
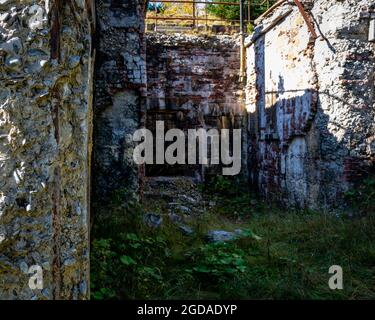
(120, 89)
(311, 102)
(193, 82)
(45, 124)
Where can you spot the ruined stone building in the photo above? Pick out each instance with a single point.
(79, 77)
(311, 101)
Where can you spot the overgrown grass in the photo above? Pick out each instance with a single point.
(290, 261)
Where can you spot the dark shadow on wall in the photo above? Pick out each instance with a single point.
(308, 167)
(119, 96)
(294, 156)
(254, 117)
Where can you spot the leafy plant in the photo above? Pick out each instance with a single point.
(217, 261)
(223, 11)
(232, 12)
(127, 266)
(290, 261)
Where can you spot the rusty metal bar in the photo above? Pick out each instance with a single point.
(156, 20)
(306, 18)
(194, 14)
(248, 11)
(190, 1)
(206, 19)
(206, 14)
(241, 16)
(189, 18)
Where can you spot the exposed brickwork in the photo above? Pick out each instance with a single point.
(194, 81)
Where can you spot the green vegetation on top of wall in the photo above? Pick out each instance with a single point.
(233, 12)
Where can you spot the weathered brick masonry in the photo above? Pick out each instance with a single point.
(311, 102)
(193, 82)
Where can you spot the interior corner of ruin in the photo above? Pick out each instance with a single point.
(79, 78)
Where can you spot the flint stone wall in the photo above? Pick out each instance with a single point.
(311, 102)
(45, 124)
